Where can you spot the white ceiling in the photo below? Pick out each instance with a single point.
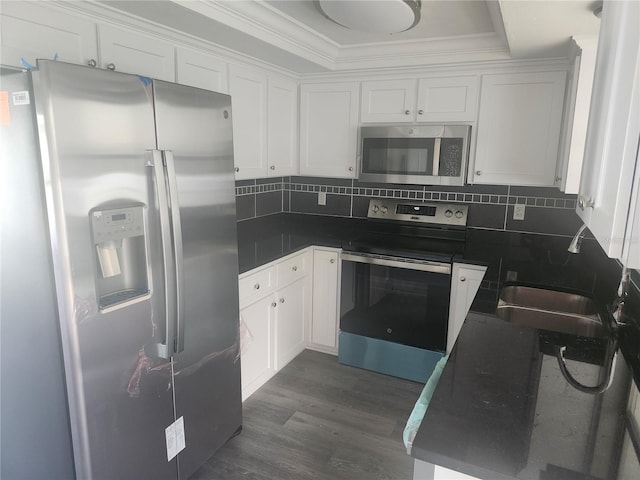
(295, 35)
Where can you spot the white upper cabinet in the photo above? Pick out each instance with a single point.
(448, 99)
(198, 69)
(31, 30)
(248, 88)
(129, 52)
(633, 240)
(576, 114)
(438, 99)
(329, 129)
(388, 101)
(282, 127)
(607, 184)
(519, 129)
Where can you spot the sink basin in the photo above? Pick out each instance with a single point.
(550, 310)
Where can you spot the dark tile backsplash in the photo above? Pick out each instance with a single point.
(548, 211)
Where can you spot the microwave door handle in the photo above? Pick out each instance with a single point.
(176, 230)
(436, 156)
(155, 160)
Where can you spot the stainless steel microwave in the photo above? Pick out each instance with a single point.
(420, 154)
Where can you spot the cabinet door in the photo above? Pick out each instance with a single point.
(611, 147)
(256, 343)
(30, 30)
(291, 317)
(282, 127)
(329, 129)
(201, 70)
(465, 282)
(323, 334)
(576, 114)
(519, 128)
(449, 99)
(129, 52)
(388, 101)
(633, 237)
(248, 89)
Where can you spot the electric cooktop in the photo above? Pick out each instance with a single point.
(412, 229)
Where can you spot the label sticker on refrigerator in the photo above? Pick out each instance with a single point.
(180, 439)
(170, 436)
(21, 98)
(174, 436)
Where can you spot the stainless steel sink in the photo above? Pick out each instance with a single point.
(550, 310)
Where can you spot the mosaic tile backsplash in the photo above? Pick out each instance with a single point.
(547, 211)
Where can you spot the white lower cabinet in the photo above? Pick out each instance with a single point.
(256, 342)
(275, 307)
(465, 282)
(323, 330)
(292, 307)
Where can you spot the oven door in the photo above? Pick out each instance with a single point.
(399, 300)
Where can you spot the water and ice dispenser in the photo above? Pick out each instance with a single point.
(121, 258)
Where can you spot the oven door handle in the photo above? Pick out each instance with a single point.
(410, 264)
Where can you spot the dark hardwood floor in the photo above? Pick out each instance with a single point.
(318, 419)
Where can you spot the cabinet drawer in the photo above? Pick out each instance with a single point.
(293, 268)
(256, 285)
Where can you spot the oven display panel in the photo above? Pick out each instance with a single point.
(421, 210)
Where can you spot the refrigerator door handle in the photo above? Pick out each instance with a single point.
(176, 229)
(155, 160)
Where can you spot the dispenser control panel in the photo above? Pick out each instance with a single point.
(117, 224)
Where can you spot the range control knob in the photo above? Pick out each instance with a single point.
(459, 214)
(448, 213)
(376, 209)
(384, 209)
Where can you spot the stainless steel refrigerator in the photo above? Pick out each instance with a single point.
(138, 185)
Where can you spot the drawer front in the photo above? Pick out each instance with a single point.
(256, 285)
(293, 268)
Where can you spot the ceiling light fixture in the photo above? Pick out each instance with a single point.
(375, 16)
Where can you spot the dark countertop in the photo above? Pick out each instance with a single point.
(502, 408)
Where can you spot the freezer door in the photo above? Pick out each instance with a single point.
(95, 128)
(33, 407)
(194, 132)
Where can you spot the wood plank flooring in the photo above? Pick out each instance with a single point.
(318, 419)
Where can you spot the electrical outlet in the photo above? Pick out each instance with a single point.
(518, 212)
(322, 198)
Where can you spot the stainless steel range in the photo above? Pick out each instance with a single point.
(396, 283)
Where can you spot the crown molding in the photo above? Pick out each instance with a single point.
(278, 32)
(470, 48)
(269, 25)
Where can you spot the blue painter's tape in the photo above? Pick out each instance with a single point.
(26, 64)
(146, 81)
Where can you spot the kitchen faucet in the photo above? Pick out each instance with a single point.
(574, 246)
